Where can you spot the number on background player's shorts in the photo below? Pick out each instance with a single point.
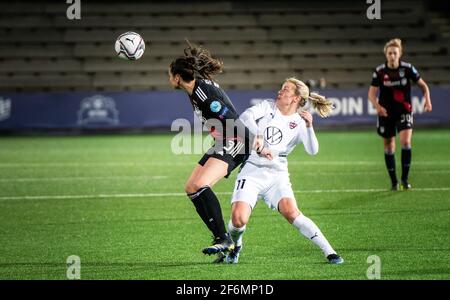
(388, 127)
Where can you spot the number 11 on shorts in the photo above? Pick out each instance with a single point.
(240, 184)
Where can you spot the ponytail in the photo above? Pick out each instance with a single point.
(196, 62)
(322, 105)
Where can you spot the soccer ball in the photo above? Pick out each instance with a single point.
(130, 45)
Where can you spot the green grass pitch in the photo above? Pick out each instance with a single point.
(117, 202)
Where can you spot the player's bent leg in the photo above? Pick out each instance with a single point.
(288, 208)
(193, 192)
(240, 214)
(199, 186)
(189, 187)
(405, 142)
(213, 170)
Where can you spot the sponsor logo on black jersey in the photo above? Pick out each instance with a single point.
(215, 106)
(223, 112)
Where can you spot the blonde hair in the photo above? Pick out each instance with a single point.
(394, 43)
(322, 105)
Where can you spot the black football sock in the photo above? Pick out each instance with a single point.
(213, 211)
(199, 207)
(406, 162)
(389, 158)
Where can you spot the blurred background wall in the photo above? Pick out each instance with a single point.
(57, 73)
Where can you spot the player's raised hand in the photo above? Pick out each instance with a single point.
(306, 115)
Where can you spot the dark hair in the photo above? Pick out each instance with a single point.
(196, 62)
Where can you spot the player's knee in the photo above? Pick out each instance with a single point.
(389, 149)
(288, 209)
(239, 220)
(406, 145)
(188, 188)
(192, 187)
(389, 146)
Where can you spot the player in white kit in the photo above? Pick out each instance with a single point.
(280, 126)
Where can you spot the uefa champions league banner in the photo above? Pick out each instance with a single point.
(76, 110)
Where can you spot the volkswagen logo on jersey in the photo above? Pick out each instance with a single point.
(215, 106)
(273, 135)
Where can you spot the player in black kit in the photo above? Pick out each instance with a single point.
(192, 73)
(394, 107)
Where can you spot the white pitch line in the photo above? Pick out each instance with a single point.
(149, 195)
(81, 178)
(63, 197)
(350, 173)
(156, 163)
(372, 190)
(86, 164)
(92, 178)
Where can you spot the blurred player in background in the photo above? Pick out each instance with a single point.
(394, 107)
(279, 127)
(192, 73)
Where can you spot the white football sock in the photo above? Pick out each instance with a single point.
(310, 230)
(236, 233)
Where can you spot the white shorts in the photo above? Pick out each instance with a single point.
(254, 183)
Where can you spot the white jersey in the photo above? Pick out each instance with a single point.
(281, 134)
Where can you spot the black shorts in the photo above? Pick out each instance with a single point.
(388, 127)
(234, 154)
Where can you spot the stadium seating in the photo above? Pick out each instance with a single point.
(260, 43)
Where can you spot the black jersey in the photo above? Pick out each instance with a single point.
(210, 103)
(395, 87)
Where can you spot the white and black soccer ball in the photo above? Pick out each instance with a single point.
(130, 45)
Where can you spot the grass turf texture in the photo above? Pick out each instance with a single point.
(117, 202)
